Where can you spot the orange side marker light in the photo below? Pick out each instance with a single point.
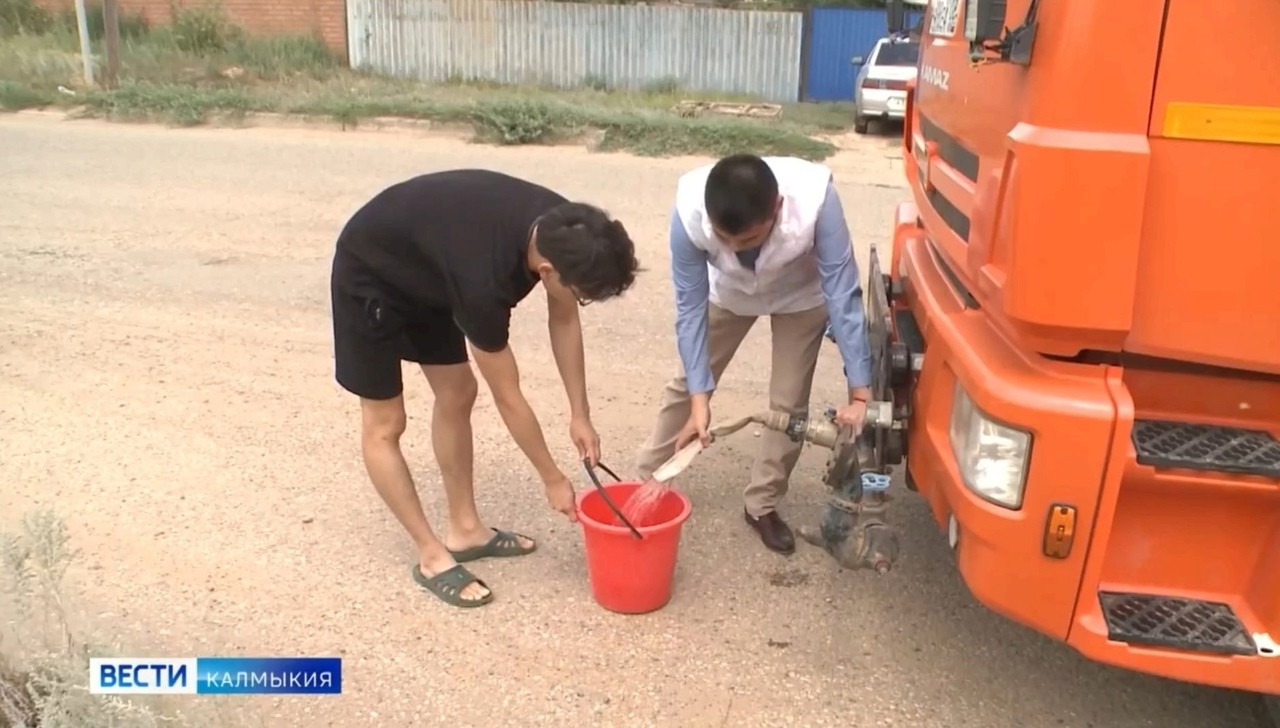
(1059, 531)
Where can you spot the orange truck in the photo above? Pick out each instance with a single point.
(1079, 325)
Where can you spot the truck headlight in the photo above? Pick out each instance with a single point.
(992, 457)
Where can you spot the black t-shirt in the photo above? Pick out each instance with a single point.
(453, 241)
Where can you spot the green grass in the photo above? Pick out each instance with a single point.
(201, 69)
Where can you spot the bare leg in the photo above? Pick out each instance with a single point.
(383, 422)
(455, 391)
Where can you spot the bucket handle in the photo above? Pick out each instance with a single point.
(591, 473)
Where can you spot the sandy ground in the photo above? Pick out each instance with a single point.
(165, 383)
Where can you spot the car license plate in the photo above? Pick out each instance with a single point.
(895, 103)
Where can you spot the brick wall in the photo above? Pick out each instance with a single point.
(326, 18)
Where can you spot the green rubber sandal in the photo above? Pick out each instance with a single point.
(504, 544)
(448, 585)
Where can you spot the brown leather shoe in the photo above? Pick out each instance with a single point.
(774, 532)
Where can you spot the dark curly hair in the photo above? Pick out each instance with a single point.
(590, 251)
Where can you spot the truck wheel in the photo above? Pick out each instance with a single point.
(860, 124)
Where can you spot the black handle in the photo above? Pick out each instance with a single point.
(591, 473)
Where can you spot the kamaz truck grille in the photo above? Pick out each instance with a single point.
(1189, 624)
(1206, 447)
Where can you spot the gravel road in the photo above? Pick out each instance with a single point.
(165, 383)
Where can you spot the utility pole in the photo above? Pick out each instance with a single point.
(86, 49)
(111, 38)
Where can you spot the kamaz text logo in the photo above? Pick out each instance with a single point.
(935, 77)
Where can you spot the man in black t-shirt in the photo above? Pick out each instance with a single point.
(432, 264)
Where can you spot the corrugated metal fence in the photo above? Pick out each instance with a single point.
(568, 44)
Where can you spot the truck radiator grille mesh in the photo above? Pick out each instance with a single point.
(1206, 447)
(1187, 624)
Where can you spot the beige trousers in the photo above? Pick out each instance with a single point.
(797, 339)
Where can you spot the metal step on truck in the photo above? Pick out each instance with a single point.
(1078, 330)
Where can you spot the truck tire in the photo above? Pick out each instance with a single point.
(860, 124)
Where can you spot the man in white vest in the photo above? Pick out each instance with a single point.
(755, 237)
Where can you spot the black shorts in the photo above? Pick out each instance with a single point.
(372, 335)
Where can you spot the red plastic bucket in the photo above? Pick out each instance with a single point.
(630, 575)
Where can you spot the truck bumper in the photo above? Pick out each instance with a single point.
(881, 104)
(1092, 527)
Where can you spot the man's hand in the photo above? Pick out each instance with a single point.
(699, 422)
(854, 414)
(561, 496)
(584, 437)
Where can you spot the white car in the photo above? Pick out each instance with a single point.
(880, 88)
